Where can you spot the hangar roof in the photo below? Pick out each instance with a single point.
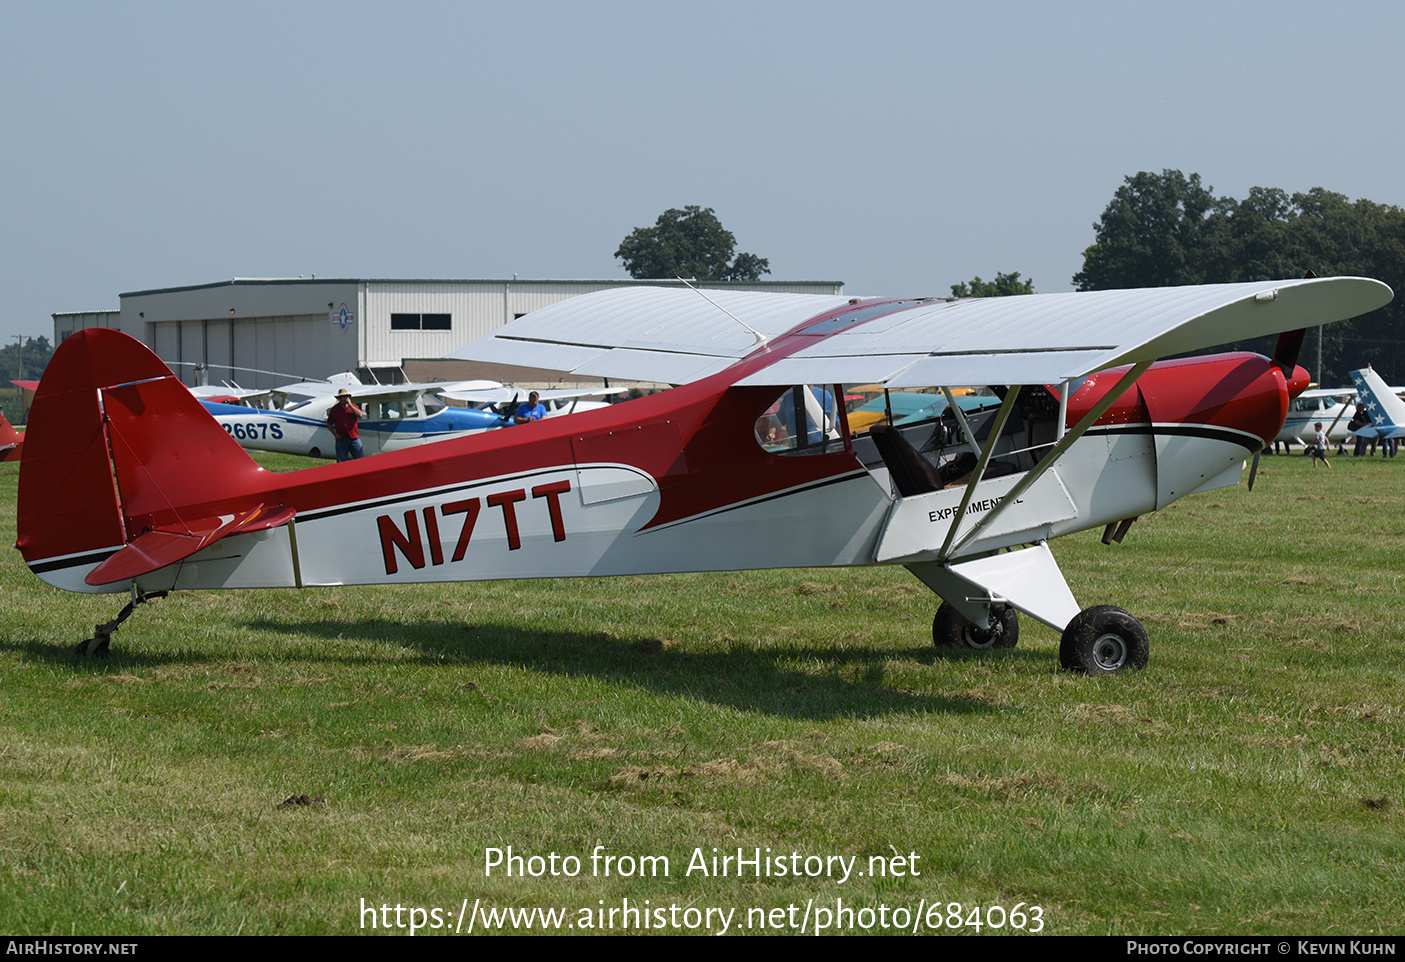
(614, 281)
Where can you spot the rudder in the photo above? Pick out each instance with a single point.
(117, 446)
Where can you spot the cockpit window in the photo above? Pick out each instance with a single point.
(803, 420)
(292, 400)
(389, 410)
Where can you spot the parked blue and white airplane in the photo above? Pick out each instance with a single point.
(1331, 406)
(1387, 411)
(398, 416)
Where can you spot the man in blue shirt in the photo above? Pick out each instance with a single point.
(533, 410)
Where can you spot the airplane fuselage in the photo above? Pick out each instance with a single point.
(680, 482)
(1304, 413)
(304, 430)
(128, 484)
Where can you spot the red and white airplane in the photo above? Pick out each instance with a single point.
(11, 441)
(127, 484)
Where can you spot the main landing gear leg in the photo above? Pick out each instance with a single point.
(97, 646)
(951, 628)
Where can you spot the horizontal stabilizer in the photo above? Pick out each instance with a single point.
(159, 547)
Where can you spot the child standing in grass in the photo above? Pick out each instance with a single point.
(1319, 446)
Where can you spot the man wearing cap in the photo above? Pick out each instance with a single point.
(342, 420)
(533, 410)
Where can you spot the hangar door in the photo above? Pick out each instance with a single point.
(251, 351)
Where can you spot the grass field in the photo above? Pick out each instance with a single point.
(1250, 780)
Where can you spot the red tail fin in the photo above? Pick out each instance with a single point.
(116, 446)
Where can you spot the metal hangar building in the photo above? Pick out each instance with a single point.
(265, 332)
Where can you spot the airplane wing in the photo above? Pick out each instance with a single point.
(382, 392)
(675, 335)
(501, 395)
(219, 392)
(11, 441)
(405, 392)
(27, 389)
(309, 388)
(663, 334)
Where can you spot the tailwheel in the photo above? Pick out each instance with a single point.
(951, 629)
(96, 646)
(99, 645)
(1104, 640)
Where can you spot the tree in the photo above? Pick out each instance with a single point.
(1152, 234)
(36, 354)
(1004, 285)
(1163, 229)
(689, 243)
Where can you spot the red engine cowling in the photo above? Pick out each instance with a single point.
(1240, 392)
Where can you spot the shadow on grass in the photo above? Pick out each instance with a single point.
(839, 680)
(846, 681)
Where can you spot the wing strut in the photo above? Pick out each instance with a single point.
(1064, 386)
(1331, 427)
(960, 419)
(1045, 463)
(844, 420)
(760, 338)
(1003, 415)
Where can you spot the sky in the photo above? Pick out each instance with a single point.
(897, 147)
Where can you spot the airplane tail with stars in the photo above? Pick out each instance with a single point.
(1386, 410)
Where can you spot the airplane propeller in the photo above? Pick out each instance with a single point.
(1290, 345)
(1285, 356)
(511, 407)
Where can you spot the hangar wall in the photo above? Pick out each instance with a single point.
(258, 333)
(66, 322)
(236, 348)
(262, 332)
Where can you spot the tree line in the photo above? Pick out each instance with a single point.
(1169, 229)
(1159, 230)
(25, 362)
(21, 360)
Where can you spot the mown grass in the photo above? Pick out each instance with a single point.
(1249, 781)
